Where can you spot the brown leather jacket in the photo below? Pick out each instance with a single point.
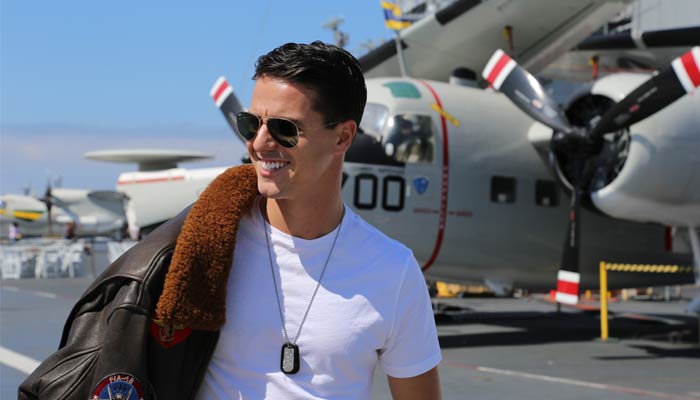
(147, 327)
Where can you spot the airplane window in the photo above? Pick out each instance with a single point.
(374, 119)
(546, 193)
(409, 138)
(502, 189)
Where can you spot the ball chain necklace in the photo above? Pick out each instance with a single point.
(289, 360)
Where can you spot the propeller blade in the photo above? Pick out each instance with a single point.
(668, 85)
(47, 199)
(568, 277)
(506, 76)
(227, 102)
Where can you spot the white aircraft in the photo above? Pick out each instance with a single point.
(159, 190)
(466, 166)
(472, 170)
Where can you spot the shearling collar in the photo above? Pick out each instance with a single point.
(194, 294)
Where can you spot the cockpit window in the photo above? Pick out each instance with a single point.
(374, 119)
(409, 138)
(393, 140)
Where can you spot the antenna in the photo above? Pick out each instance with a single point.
(340, 38)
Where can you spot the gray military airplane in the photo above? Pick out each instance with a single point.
(93, 213)
(466, 166)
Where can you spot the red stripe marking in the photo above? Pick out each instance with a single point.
(151, 180)
(691, 68)
(445, 182)
(567, 287)
(668, 239)
(220, 90)
(498, 68)
(425, 211)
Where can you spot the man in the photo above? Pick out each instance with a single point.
(13, 232)
(274, 289)
(308, 273)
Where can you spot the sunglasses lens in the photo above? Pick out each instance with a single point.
(283, 131)
(248, 125)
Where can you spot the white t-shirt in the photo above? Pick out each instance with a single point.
(372, 307)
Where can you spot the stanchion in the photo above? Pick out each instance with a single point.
(603, 302)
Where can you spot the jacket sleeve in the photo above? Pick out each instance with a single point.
(105, 340)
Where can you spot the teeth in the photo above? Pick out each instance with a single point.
(272, 165)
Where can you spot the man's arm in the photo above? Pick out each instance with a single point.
(422, 387)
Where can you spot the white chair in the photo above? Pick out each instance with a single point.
(116, 249)
(48, 263)
(72, 260)
(11, 265)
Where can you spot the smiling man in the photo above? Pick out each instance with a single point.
(317, 296)
(268, 287)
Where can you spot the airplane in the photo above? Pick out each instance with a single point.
(93, 213)
(467, 166)
(159, 189)
(472, 170)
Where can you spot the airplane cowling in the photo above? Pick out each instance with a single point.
(647, 173)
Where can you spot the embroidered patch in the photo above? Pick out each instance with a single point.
(168, 335)
(118, 386)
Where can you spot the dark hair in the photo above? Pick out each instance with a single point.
(333, 73)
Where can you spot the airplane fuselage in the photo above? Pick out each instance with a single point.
(450, 171)
(485, 206)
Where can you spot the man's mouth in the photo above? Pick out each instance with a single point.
(272, 165)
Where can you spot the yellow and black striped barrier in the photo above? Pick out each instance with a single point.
(663, 269)
(644, 268)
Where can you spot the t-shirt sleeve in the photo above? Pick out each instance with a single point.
(412, 347)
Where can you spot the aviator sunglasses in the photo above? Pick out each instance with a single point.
(283, 131)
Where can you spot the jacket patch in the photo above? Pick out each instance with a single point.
(168, 335)
(118, 386)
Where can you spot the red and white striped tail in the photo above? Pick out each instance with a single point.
(687, 69)
(498, 68)
(567, 287)
(220, 91)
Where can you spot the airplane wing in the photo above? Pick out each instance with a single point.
(644, 51)
(96, 212)
(465, 34)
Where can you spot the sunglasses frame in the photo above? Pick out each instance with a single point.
(277, 136)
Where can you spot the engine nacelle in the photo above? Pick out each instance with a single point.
(650, 173)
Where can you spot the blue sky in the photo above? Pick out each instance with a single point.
(89, 75)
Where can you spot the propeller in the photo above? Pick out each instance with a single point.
(227, 102)
(48, 200)
(581, 144)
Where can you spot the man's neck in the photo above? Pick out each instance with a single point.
(306, 220)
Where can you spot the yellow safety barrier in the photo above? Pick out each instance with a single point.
(605, 267)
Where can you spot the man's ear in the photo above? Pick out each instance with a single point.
(346, 133)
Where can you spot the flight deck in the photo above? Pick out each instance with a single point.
(493, 348)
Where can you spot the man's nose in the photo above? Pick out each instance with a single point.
(263, 139)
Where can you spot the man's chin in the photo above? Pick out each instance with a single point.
(269, 191)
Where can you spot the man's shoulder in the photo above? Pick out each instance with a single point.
(369, 238)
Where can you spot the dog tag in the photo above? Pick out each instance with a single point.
(290, 358)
